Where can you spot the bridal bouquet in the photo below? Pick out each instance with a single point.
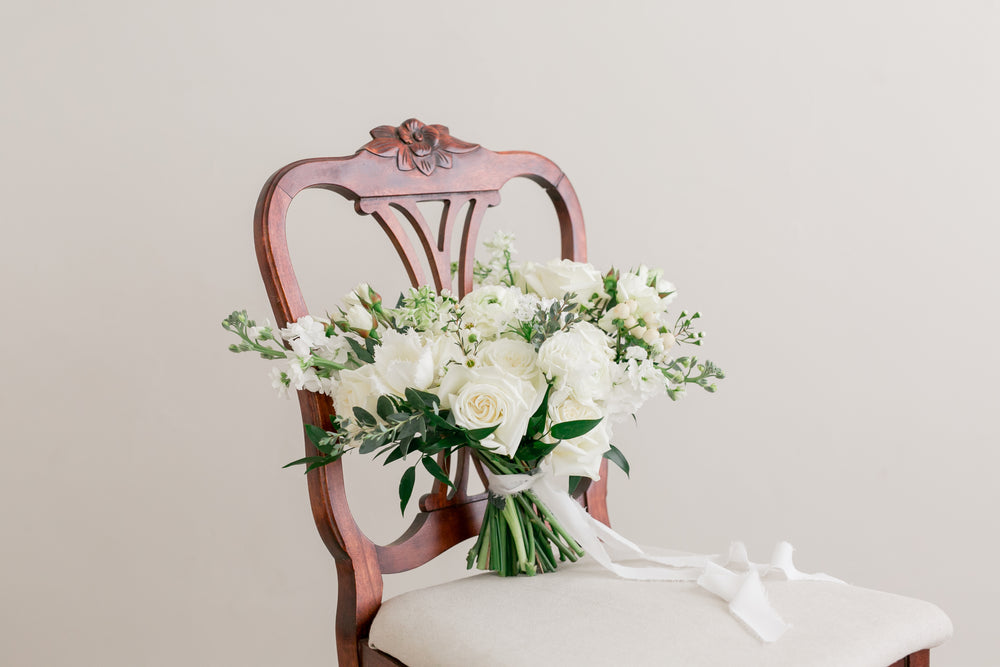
(530, 371)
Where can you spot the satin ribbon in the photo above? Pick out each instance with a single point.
(735, 579)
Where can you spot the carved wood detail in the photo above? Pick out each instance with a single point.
(415, 145)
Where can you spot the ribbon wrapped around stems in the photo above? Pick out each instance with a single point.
(734, 578)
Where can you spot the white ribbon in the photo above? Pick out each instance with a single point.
(736, 579)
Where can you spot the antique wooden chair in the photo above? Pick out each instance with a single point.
(387, 179)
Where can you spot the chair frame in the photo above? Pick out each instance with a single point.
(429, 165)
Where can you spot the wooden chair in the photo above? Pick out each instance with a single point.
(386, 179)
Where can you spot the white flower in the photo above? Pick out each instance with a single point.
(303, 376)
(579, 456)
(557, 277)
(633, 383)
(404, 360)
(304, 334)
(353, 299)
(357, 388)
(336, 349)
(359, 318)
(490, 396)
(279, 380)
(517, 357)
(635, 286)
(489, 309)
(578, 361)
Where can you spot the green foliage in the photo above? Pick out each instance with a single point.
(615, 456)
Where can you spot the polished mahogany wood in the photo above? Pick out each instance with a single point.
(387, 179)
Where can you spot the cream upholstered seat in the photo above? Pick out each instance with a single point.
(583, 615)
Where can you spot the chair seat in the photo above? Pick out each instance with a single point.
(583, 615)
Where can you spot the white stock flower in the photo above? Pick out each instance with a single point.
(633, 383)
(557, 277)
(279, 380)
(489, 396)
(489, 308)
(403, 360)
(336, 349)
(578, 361)
(305, 334)
(303, 376)
(579, 456)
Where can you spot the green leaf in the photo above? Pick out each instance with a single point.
(534, 450)
(364, 417)
(478, 434)
(385, 407)
(573, 429)
(434, 469)
(406, 487)
(536, 424)
(394, 455)
(427, 398)
(574, 483)
(414, 398)
(316, 434)
(360, 352)
(615, 456)
(307, 460)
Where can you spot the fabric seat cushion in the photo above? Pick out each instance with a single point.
(584, 615)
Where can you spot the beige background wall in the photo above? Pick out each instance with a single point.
(820, 179)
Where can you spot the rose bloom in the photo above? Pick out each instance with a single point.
(403, 360)
(487, 396)
(517, 357)
(557, 277)
(357, 388)
(579, 456)
(578, 362)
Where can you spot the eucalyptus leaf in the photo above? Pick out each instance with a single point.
(316, 434)
(384, 407)
(364, 417)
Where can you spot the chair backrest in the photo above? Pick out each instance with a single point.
(401, 167)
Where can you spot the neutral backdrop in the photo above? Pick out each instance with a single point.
(819, 179)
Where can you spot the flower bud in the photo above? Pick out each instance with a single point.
(651, 336)
(668, 340)
(639, 331)
(630, 322)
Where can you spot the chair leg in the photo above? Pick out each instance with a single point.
(918, 659)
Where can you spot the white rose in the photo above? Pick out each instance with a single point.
(557, 277)
(403, 360)
(489, 309)
(579, 456)
(357, 388)
(359, 318)
(489, 396)
(578, 361)
(352, 299)
(517, 357)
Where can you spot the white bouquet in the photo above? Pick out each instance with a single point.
(530, 371)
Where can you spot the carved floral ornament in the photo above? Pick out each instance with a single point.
(415, 145)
